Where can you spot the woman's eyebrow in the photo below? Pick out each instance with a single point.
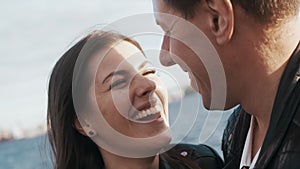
(144, 63)
(119, 72)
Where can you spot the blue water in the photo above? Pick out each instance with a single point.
(25, 154)
(34, 153)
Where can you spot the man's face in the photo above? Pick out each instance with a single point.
(176, 49)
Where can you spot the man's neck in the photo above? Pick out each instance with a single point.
(273, 51)
(262, 70)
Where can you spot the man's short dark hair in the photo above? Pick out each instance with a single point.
(266, 11)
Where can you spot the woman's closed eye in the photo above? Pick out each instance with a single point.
(118, 84)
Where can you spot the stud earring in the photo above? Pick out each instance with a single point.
(91, 133)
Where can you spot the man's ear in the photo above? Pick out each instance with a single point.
(222, 20)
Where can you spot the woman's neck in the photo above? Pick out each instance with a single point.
(112, 161)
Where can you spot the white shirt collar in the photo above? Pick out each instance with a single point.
(246, 157)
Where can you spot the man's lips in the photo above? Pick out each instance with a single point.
(183, 69)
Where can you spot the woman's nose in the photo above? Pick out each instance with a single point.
(164, 56)
(144, 86)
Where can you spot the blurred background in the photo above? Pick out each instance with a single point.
(33, 35)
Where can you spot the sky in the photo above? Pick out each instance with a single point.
(34, 34)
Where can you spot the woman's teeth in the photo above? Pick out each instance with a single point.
(148, 114)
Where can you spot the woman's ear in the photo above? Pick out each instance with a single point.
(78, 127)
(85, 129)
(222, 20)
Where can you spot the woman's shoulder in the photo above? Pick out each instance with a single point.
(197, 151)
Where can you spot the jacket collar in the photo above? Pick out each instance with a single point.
(238, 140)
(288, 81)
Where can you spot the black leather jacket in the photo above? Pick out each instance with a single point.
(281, 147)
(202, 156)
(182, 155)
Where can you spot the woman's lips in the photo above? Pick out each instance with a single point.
(149, 115)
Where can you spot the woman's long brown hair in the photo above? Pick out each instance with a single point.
(71, 149)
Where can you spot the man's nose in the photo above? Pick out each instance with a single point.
(165, 55)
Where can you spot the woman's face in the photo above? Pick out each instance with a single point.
(129, 94)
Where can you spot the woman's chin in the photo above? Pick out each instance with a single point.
(162, 141)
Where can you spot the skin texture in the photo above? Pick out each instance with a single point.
(126, 82)
(121, 94)
(175, 51)
(253, 54)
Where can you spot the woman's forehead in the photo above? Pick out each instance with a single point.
(123, 55)
(126, 49)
